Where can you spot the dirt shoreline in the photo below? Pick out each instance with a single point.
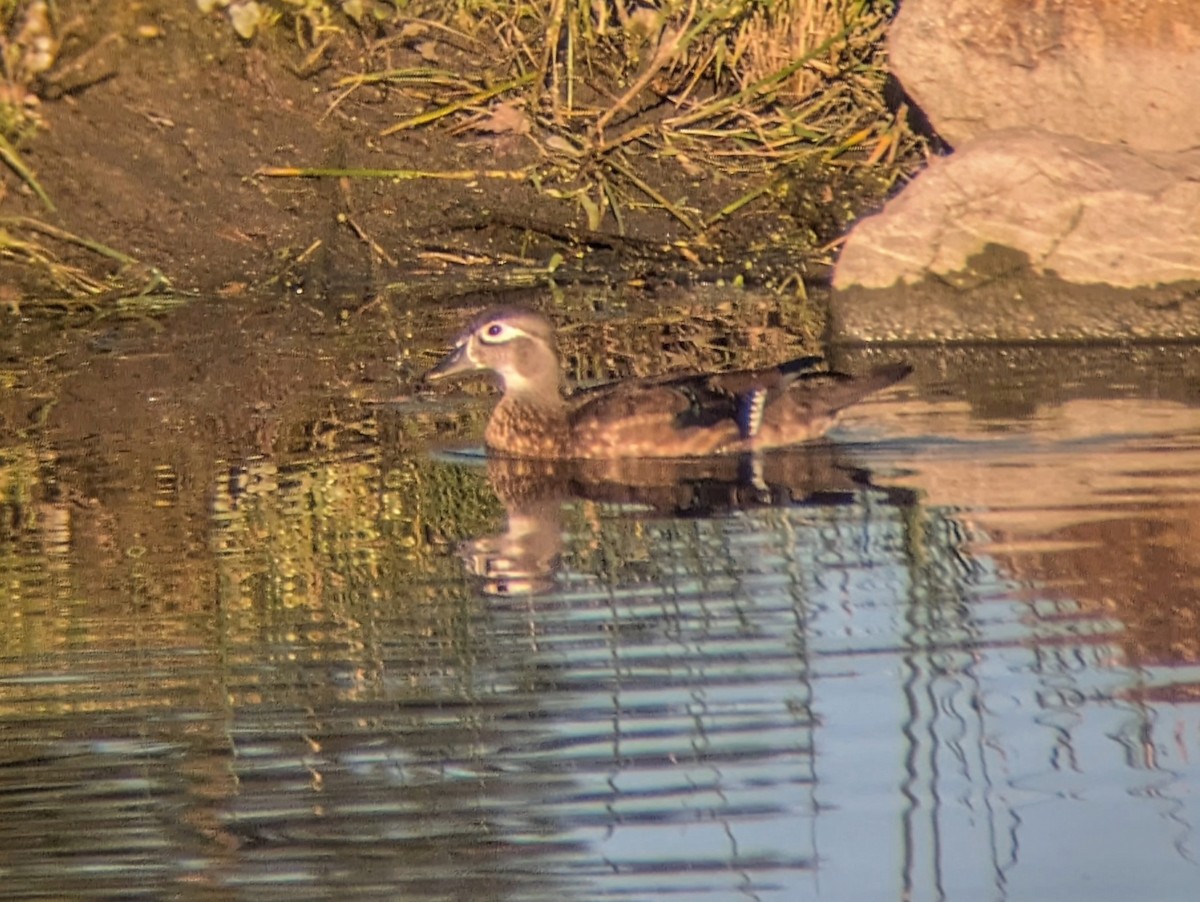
(156, 152)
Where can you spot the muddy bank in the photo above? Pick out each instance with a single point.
(162, 122)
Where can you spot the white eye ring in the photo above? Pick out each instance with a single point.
(498, 333)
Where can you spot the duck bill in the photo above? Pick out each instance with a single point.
(455, 363)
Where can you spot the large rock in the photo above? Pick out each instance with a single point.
(1108, 70)
(1076, 128)
(1087, 212)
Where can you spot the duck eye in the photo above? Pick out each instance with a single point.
(496, 333)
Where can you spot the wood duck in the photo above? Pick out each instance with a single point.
(672, 416)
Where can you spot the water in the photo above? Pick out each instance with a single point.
(952, 654)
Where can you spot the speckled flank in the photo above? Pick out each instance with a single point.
(525, 430)
(651, 434)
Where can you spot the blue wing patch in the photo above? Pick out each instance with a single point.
(750, 412)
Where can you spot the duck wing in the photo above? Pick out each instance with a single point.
(810, 403)
(679, 415)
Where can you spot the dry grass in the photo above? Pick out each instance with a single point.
(773, 36)
(600, 86)
(64, 266)
(28, 50)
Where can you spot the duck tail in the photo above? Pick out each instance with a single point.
(858, 387)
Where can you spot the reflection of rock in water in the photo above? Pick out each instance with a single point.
(523, 558)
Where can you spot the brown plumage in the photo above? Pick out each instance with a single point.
(691, 415)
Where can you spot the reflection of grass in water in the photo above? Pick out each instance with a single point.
(322, 561)
(349, 564)
(343, 531)
(46, 600)
(35, 538)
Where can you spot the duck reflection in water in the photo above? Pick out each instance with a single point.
(524, 557)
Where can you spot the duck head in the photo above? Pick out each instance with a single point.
(516, 345)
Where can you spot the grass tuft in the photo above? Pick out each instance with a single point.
(608, 90)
